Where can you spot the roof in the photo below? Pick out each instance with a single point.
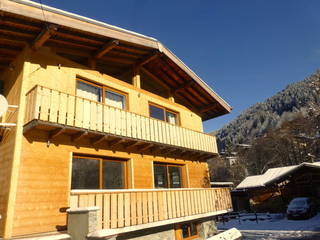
(272, 175)
(79, 37)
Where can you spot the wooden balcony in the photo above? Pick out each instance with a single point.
(130, 207)
(78, 117)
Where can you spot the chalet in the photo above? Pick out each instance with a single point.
(107, 125)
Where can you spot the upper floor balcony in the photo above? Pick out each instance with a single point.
(78, 117)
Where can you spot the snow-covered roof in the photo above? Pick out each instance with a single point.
(272, 175)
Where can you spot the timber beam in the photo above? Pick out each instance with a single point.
(148, 59)
(208, 108)
(188, 84)
(55, 133)
(146, 146)
(115, 142)
(44, 35)
(76, 137)
(154, 77)
(106, 48)
(99, 139)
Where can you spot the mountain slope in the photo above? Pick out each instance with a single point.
(296, 98)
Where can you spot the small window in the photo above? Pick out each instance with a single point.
(187, 231)
(163, 114)
(115, 99)
(89, 91)
(98, 173)
(156, 112)
(167, 176)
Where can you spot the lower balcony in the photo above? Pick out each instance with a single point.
(135, 207)
(60, 113)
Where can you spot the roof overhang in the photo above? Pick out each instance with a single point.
(25, 22)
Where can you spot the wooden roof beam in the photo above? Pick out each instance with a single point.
(148, 59)
(184, 86)
(44, 35)
(210, 107)
(106, 48)
(154, 77)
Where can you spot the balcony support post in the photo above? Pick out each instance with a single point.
(136, 81)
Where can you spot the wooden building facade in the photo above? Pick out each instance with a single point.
(106, 118)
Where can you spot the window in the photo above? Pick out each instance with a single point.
(115, 99)
(167, 176)
(163, 114)
(98, 173)
(187, 231)
(103, 94)
(89, 91)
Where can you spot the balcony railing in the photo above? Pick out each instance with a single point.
(124, 208)
(60, 108)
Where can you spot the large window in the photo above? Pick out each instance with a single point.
(101, 93)
(98, 173)
(167, 176)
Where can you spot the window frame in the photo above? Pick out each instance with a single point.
(167, 165)
(101, 159)
(165, 110)
(178, 231)
(126, 102)
(104, 89)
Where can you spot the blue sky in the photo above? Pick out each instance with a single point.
(245, 50)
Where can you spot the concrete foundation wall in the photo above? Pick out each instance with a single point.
(159, 233)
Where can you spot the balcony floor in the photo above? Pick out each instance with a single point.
(111, 141)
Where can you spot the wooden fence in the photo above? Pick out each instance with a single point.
(123, 208)
(61, 108)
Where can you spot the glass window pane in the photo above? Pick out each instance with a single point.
(175, 177)
(193, 229)
(113, 175)
(185, 231)
(156, 112)
(88, 91)
(171, 118)
(160, 176)
(115, 99)
(85, 173)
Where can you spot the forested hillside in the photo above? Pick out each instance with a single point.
(296, 98)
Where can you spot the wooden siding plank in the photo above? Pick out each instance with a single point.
(139, 207)
(133, 204)
(127, 209)
(120, 210)
(114, 210)
(99, 203)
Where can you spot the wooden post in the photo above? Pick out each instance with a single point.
(136, 77)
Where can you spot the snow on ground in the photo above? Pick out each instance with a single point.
(273, 224)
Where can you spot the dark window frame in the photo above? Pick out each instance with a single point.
(167, 165)
(165, 110)
(101, 159)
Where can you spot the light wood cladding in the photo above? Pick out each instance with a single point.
(58, 73)
(8, 152)
(43, 174)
